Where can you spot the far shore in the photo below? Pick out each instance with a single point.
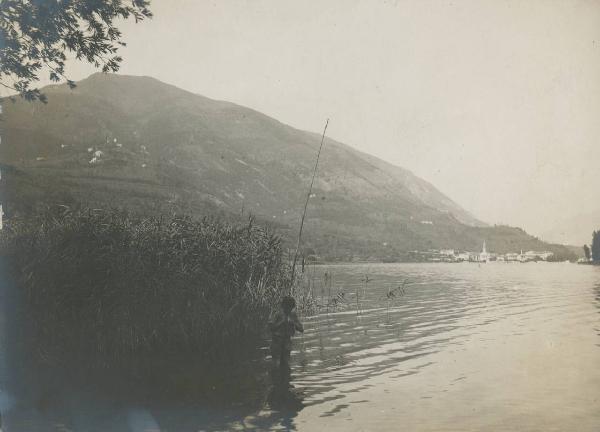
(324, 263)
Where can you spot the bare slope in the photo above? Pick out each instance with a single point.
(137, 142)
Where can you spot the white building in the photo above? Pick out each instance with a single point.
(536, 256)
(463, 256)
(511, 256)
(483, 256)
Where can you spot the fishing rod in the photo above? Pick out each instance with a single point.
(305, 207)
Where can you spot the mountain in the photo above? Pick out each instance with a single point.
(139, 143)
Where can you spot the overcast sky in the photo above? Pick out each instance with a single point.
(494, 102)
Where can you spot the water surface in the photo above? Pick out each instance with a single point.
(465, 347)
(468, 347)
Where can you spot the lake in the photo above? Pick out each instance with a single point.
(416, 347)
(487, 347)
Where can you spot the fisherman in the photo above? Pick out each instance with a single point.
(283, 325)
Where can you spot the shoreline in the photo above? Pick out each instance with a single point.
(325, 263)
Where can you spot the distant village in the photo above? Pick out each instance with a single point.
(454, 256)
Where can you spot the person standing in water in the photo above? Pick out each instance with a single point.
(283, 325)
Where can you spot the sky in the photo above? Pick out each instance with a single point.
(494, 102)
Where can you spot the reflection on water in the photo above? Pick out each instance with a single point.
(468, 347)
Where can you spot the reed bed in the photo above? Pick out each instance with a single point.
(108, 288)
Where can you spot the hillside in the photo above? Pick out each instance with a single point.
(139, 143)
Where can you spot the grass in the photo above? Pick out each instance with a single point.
(111, 290)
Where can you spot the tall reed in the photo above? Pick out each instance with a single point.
(109, 288)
